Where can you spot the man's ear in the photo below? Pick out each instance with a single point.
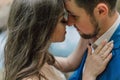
(101, 9)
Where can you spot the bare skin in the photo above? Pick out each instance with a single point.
(96, 62)
(73, 60)
(100, 57)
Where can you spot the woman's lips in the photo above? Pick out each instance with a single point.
(77, 29)
(65, 32)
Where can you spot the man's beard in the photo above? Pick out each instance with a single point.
(89, 36)
(96, 30)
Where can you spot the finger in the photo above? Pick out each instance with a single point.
(89, 49)
(106, 47)
(108, 58)
(106, 50)
(98, 49)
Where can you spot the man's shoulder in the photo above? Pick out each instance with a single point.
(116, 38)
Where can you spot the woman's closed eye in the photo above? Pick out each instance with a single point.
(63, 21)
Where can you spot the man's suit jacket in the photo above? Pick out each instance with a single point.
(112, 71)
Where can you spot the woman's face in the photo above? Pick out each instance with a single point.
(60, 30)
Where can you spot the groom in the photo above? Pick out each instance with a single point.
(97, 19)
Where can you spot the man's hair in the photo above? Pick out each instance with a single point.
(89, 5)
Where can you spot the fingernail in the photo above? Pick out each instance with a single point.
(111, 41)
(106, 40)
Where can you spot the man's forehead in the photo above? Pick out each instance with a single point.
(70, 6)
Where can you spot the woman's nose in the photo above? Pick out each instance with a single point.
(70, 21)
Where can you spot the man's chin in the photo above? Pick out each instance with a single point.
(87, 36)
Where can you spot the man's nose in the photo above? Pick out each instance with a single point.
(70, 21)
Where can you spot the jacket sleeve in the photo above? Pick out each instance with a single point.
(112, 71)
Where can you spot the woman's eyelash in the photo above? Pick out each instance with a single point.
(63, 21)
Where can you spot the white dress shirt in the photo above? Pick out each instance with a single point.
(108, 34)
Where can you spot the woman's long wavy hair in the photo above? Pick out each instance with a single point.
(30, 27)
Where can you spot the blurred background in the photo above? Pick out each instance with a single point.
(58, 49)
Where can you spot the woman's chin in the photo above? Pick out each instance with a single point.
(60, 40)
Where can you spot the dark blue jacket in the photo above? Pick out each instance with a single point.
(112, 71)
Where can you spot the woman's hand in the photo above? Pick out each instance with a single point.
(97, 61)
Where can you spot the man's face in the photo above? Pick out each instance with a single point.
(86, 25)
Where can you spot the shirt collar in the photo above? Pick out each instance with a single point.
(108, 34)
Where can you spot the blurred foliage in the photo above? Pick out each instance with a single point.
(118, 5)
